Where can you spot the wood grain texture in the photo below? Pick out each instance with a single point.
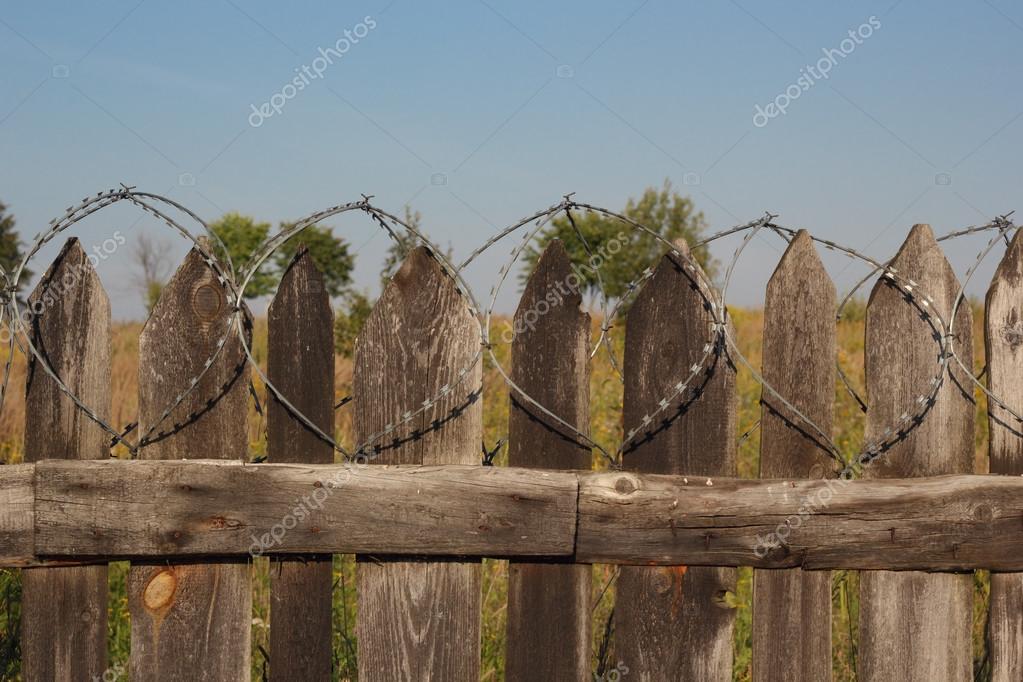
(549, 602)
(672, 622)
(792, 608)
(191, 621)
(206, 508)
(1003, 327)
(419, 620)
(17, 515)
(64, 610)
(300, 364)
(917, 626)
(940, 523)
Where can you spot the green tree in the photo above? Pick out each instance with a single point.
(241, 236)
(10, 245)
(330, 254)
(349, 322)
(624, 251)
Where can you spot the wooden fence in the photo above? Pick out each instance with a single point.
(423, 512)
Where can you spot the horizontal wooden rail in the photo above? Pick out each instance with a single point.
(61, 511)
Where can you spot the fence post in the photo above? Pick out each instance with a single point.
(672, 622)
(792, 608)
(549, 602)
(301, 366)
(191, 621)
(1003, 326)
(417, 619)
(914, 625)
(64, 610)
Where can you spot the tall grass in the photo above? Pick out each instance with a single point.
(605, 428)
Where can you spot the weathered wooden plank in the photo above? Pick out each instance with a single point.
(792, 609)
(917, 626)
(64, 610)
(207, 508)
(671, 622)
(191, 621)
(301, 366)
(937, 523)
(1003, 326)
(943, 523)
(549, 602)
(17, 515)
(419, 620)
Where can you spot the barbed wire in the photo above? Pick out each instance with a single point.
(720, 342)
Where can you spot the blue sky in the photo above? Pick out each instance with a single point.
(478, 112)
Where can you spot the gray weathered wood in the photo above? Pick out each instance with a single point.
(17, 515)
(917, 626)
(205, 508)
(792, 609)
(549, 602)
(300, 364)
(419, 620)
(1003, 326)
(64, 610)
(191, 621)
(935, 523)
(672, 622)
(941, 523)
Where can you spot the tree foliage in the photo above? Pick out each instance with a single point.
(622, 251)
(349, 322)
(330, 253)
(242, 236)
(10, 245)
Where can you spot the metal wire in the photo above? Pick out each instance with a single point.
(719, 342)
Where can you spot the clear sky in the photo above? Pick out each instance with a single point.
(478, 112)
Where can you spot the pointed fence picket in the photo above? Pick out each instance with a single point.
(419, 619)
(792, 608)
(549, 601)
(1003, 336)
(300, 364)
(674, 622)
(191, 620)
(64, 622)
(914, 625)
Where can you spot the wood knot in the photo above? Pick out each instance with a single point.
(207, 300)
(983, 513)
(220, 522)
(625, 486)
(159, 592)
